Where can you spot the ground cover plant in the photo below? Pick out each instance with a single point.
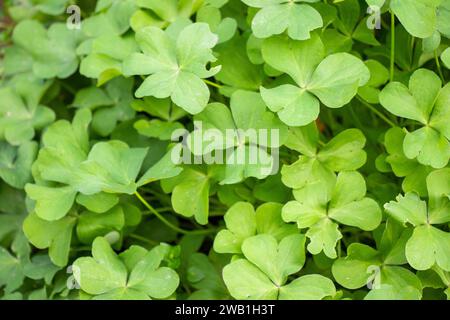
(225, 149)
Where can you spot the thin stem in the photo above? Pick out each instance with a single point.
(391, 69)
(212, 84)
(168, 223)
(84, 248)
(143, 239)
(339, 248)
(378, 113)
(438, 64)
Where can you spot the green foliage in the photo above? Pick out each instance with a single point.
(115, 183)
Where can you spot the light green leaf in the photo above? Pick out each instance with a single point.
(54, 235)
(427, 246)
(176, 67)
(245, 281)
(277, 16)
(309, 287)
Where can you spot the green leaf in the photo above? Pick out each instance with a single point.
(417, 16)
(426, 103)
(242, 222)
(40, 267)
(277, 16)
(52, 51)
(20, 112)
(246, 155)
(318, 206)
(99, 203)
(427, 246)
(342, 153)
(267, 259)
(110, 106)
(414, 173)
(309, 287)
(175, 67)
(245, 281)
(445, 57)
(204, 276)
(54, 235)
(408, 209)
(15, 163)
(11, 272)
(111, 167)
(277, 261)
(237, 70)
(105, 275)
(354, 271)
(92, 225)
(190, 196)
(51, 203)
(334, 79)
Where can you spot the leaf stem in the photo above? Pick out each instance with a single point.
(213, 84)
(392, 62)
(143, 239)
(378, 113)
(438, 65)
(83, 248)
(168, 223)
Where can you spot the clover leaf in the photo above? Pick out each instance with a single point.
(176, 65)
(238, 71)
(364, 265)
(104, 59)
(242, 222)
(163, 109)
(342, 153)
(105, 275)
(111, 105)
(379, 75)
(66, 146)
(54, 235)
(320, 206)
(166, 126)
(350, 25)
(419, 17)
(106, 45)
(248, 134)
(15, 163)
(264, 272)
(204, 276)
(11, 274)
(161, 13)
(110, 167)
(424, 102)
(334, 80)
(92, 224)
(224, 28)
(428, 244)
(33, 7)
(277, 16)
(233, 137)
(413, 172)
(51, 52)
(190, 192)
(111, 19)
(20, 112)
